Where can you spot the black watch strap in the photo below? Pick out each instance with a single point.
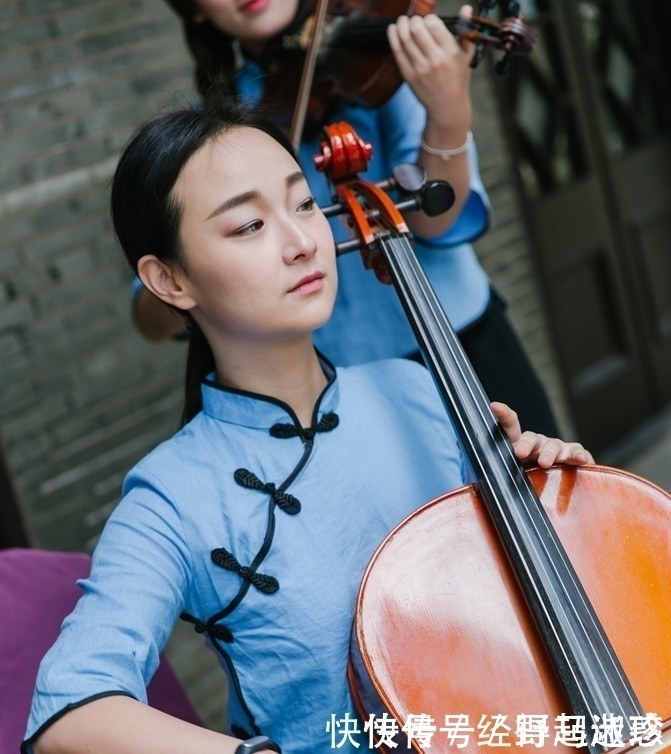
(258, 743)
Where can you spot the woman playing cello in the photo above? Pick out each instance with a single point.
(255, 521)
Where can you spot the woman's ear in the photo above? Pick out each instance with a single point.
(164, 281)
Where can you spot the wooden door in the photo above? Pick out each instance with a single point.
(589, 119)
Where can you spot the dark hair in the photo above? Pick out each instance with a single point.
(145, 213)
(213, 50)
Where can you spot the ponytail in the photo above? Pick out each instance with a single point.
(199, 363)
(214, 57)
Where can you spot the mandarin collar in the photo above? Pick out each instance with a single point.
(259, 411)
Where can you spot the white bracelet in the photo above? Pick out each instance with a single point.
(445, 154)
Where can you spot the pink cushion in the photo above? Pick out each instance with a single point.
(37, 591)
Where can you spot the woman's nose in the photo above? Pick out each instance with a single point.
(298, 242)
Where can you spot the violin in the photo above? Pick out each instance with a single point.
(352, 59)
(541, 594)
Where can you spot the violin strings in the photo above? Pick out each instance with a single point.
(352, 33)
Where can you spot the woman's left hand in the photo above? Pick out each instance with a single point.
(436, 65)
(531, 447)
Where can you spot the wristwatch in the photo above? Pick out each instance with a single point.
(258, 743)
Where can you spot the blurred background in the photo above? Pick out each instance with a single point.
(575, 150)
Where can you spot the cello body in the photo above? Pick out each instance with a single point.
(443, 627)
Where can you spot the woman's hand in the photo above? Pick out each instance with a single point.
(531, 447)
(436, 65)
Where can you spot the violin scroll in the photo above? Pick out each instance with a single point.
(511, 35)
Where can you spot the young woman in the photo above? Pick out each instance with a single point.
(256, 520)
(428, 120)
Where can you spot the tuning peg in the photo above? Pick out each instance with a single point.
(437, 197)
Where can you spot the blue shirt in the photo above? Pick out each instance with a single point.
(260, 532)
(368, 321)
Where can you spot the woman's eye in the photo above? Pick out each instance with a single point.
(249, 228)
(307, 205)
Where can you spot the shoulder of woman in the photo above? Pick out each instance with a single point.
(173, 458)
(407, 388)
(397, 376)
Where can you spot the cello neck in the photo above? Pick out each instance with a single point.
(588, 668)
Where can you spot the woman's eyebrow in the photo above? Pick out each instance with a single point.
(234, 201)
(248, 196)
(296, 177)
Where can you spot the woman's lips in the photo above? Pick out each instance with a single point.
(254, 6)
(309, 284)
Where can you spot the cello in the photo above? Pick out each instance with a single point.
(531, 608)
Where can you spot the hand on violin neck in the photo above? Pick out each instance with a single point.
(436, 65)
(534, 448)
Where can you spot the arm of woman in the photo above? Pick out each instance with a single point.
(121, 724)
(436, 65)
(90, 693)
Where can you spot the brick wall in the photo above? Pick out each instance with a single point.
(82, 396)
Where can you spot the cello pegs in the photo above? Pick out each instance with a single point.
(436, 197)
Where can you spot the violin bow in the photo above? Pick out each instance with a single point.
(307, 75)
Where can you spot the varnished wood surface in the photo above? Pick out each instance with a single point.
(444, 627)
